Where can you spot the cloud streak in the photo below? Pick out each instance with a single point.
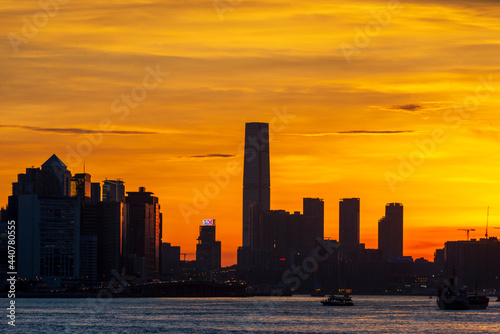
(357, 132)
(216, 155)
(77, 130)
(409, 107)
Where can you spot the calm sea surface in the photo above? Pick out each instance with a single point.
(371, 314)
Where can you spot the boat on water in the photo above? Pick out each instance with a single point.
(453, 297)
(338, 301)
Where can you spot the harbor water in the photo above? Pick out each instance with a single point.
(297, 314)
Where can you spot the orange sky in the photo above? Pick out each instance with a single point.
(423, 67)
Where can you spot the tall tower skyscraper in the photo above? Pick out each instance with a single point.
(256, 176)
(141, 234)
(349, 221)
(314, 213)
(390, 232)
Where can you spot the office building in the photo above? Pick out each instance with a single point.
(110, 239)
(476, 262)
(208, 250)
(95, 192)
(256, 175)
(81, 187)
(113, 190)
(142, 226)
(349, 222)
(314, 226)
(390, 232)
(49, 245)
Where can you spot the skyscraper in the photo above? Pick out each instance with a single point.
(142, 226)
(349, 221)
(390, 232)
(81, 186)
(256, 176)
(49, 245)
(314, 214)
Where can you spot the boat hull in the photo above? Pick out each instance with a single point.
(471, 303)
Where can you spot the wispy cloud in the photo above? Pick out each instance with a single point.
(77, 130)
(357, 132)
(199, 157)
(409, 107)
(215, 155)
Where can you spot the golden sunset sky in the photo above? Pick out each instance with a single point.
(362, 82)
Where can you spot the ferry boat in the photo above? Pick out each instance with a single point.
(338, 301)
(453, 297)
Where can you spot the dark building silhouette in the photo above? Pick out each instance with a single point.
(113, 190)
(475, 262)
(81, 186)
(256, 175)
(48, 248)
(349, 222)
(208, 250)
(49, 245)
(110, 239)
(53, 179)
(142, 226)
(390, 232)
(171, 256)
(95, 192)
(54, 166)
(314, 214)
(88, 242)
(254, 215)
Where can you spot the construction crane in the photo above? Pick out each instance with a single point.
(487, 218)
(468, 230)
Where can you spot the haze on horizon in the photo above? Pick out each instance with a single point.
(198, 74)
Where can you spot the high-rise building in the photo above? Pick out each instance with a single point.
(110, 239)
(49, 245)
(390, 232)
(53, 179)
(256, 175)
(113, 190)
(475, 262)
(314, 215)
(95, 192)
(54, 166)
(349, 222)
(208, 250)
(81, 186)
(142, 240)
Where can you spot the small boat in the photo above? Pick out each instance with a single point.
(338, 301)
